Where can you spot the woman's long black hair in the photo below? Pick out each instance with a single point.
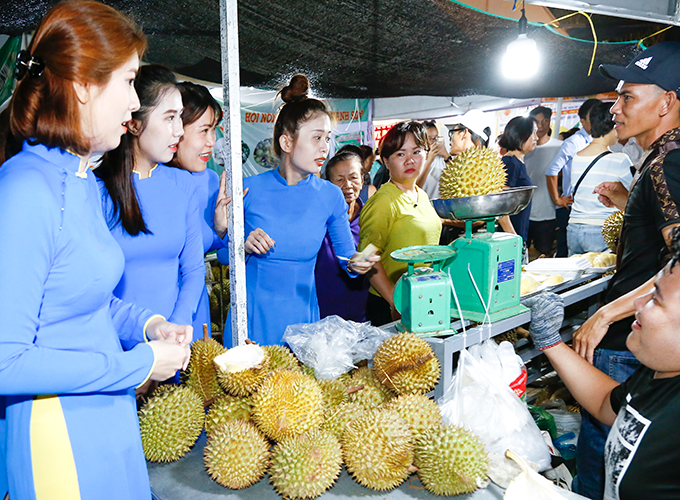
(116, 167)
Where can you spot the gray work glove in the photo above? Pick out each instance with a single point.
(547, 314)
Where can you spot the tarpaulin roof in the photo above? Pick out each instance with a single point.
(362, 48)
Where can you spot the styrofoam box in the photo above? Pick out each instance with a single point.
(569, 268)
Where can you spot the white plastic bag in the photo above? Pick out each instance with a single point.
(332, 345)
(486, 406)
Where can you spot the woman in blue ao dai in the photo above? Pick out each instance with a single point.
(71, 353)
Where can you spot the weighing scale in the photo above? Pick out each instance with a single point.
(476, 277)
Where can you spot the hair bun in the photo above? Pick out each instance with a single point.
(296, 90)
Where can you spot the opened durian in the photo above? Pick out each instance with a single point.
(242, 369)
(236, 454)
(407, 364)
(611, 230)
(418, 411)
(170, 422)
(307, 465)
(287, 404)
(201, 374)
(378, 450)
(473, 172)
(227, 408)
(450, 460)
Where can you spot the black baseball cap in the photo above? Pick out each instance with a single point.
(658, 65)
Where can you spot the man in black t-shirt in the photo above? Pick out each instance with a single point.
(642, 451)
(649, 110)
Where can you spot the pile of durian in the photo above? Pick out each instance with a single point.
(268, 414)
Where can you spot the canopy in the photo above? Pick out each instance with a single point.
(369, 48)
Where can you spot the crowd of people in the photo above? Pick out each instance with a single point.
(102, 275)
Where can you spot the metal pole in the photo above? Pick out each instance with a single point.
(558, 117)
(233, 166)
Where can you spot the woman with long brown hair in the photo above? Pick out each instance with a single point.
(72, 428)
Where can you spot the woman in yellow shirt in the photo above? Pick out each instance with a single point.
(397, 216)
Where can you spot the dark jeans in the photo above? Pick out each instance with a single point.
(562, 217)
(377, 310)
(542, 235)
(589, 480)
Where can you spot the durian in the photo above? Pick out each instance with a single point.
(377, 449)
(201, 374)
(367, 389)
(611, 230)
(334, 393)
(227, 408)
(236, 454)
(242, 369)
(338, 417)
(473, 172)
(418, 411)
(280, 357)
(305, 466)
(170, 422)
(450, 460)
(287, 404)
(406, 364)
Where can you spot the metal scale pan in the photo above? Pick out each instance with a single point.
(510, 201)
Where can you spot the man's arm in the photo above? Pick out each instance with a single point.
(589, 386)
(560, 201)
(591, 333)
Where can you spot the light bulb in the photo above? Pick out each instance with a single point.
(521, 58)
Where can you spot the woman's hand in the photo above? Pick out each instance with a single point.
(160, 329)
(169, 357)
(221, 222)
(362, 266)
(259, 242)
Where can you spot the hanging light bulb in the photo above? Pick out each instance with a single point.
(521, 58)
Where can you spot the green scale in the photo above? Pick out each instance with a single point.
(483, 269)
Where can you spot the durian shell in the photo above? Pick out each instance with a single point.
(227, 408)
(287, 404)
(370, 391)
(418, 411)
(201, 374)
(334, 393)
(281, 358)
(170, 422)
(377, 449)
(307, 465)
(450, 460)
(611, 229)
(338, 417)
(245, 382)
(236, 454)
(406, 364)
(474, 172)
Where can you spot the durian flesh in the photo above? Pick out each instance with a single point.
(474, 172)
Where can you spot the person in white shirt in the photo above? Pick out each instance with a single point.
(435, 161)
(562, 163)
(542, 222)
(584, 232)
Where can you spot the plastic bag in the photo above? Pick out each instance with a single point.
(531, 485)
(332, 345)
(487, 407)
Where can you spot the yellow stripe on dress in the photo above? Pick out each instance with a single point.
(54, 468)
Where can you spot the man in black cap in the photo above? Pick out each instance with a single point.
(649, 110)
